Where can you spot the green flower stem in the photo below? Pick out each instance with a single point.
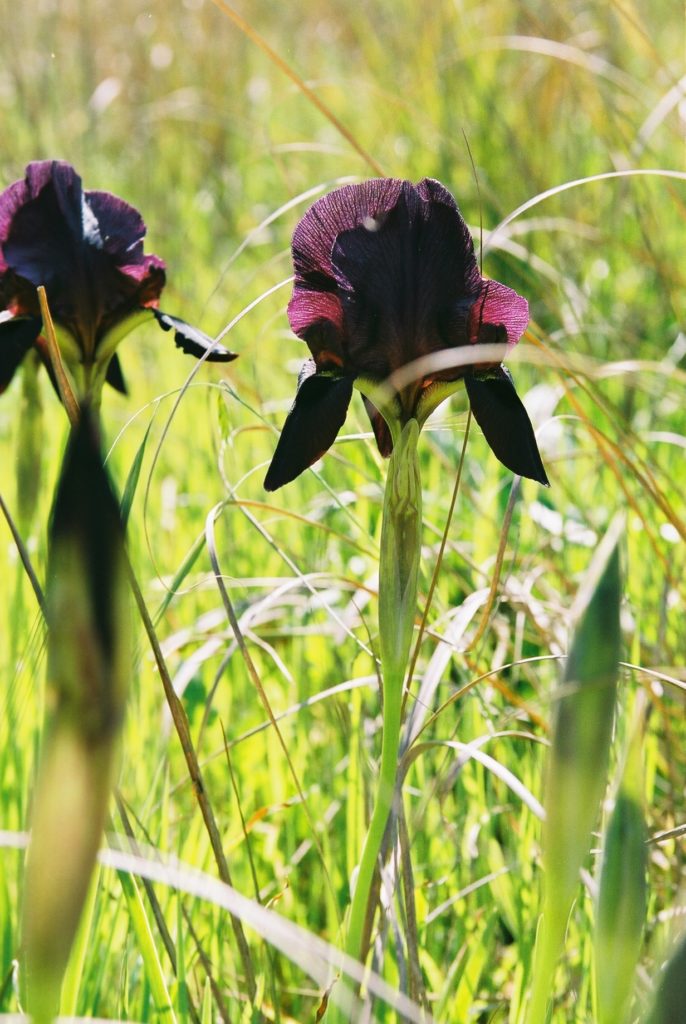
(398, 571)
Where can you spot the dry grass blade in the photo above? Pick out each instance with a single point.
(24, 555)
(311, 95)
(182, 727)
(63, 385)
(649, 172)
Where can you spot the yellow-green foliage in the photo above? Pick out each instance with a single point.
(171, 106)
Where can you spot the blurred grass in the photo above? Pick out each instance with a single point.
(173, 108)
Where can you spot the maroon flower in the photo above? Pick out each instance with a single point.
(385, 273)
(86, 249)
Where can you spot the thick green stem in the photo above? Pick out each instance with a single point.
(398, 571)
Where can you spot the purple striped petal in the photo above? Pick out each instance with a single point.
(309, 307)
(120, 231)
(498, 306)
(406, 283)
(341, 210)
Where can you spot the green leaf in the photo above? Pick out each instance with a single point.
(146, 946)
(670, 994)
(582, 730)
(622, 890)
(133, 477)
(578, 759)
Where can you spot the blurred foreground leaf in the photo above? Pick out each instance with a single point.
(622, 890)
(577, 763)
(88, 667)
(669, 1006)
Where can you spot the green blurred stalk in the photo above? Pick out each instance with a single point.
(669, 997)
(87, 609)
(577, 763)
(622, 890)
(398, 574)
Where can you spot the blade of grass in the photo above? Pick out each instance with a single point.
(160, 922)
(146, 946)
(183, 732)
(64, 387)
(434, 576)
(254, 36)
(24, 556)
(312, 954)
(73, 976)
(134, 475)
(670, 992)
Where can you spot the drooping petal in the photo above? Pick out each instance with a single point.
(338, 211)
(193, 341)
(115, 376)
(381, 429)
(17, 335)
(505, 423)
(498, 305)
(407, 282)
(316, 416)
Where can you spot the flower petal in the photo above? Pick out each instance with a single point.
(40, 224)
(118, 229)
(17, 335)
(338, 211)
(316, 416)
(382, 431)
(317, 317)
(498, 306)
(85, 248)
(115, 376)
(407, 282)
(505, 423)
(308, 307)
(192, 341)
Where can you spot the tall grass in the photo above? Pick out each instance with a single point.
(175, 108)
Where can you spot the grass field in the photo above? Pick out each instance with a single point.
(222, 134)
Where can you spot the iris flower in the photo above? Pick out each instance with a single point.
(385, 273)
(86, 249)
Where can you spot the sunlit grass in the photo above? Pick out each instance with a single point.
(176, 109)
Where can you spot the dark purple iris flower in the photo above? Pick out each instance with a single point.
(86, 249)
(385, 273)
